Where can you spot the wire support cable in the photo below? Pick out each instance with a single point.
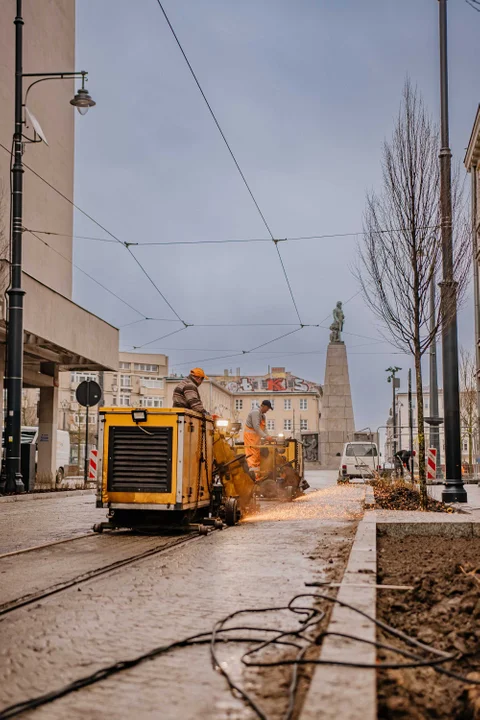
(159, 243)
(300, 640)
(124, 244)
(227, 144)
(84, 272)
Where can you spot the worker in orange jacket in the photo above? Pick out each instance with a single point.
(253, 434)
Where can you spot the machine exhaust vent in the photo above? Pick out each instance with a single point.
(140, 460)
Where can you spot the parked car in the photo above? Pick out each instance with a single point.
(358, 460)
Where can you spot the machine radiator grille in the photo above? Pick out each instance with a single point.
(140, 460)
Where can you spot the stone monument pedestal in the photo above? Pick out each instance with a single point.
(337, 424)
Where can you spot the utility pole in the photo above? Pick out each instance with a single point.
(434, 416)
(395, 384)
(410, 421)
(454, 490)
(476, 291)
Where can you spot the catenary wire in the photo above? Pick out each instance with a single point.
(325, 236)
(214, 117)
(77, 267)
(121, 242)
(175, 332)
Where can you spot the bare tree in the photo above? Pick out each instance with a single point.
(400, 254)
(468, 402)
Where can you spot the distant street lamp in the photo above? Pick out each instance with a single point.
(11, 480)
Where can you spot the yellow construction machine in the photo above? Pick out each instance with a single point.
(169, 467)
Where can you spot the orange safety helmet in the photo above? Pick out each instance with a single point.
(199, 373)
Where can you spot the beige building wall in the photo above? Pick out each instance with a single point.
(49, 46)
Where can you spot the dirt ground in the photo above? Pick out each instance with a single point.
(442, 610)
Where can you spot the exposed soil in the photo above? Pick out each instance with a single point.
(397, 495)
(442, 610)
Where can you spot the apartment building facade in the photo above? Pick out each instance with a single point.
(297, 404)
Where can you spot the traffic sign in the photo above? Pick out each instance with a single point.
(88, 393)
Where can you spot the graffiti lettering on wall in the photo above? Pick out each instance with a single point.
(287, 383)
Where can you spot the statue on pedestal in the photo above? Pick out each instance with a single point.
(337, 326)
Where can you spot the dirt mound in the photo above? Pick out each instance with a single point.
(397, 495)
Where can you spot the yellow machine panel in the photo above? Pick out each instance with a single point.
(161, 461)
(164, 466)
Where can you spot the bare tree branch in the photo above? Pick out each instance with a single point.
(396, 269)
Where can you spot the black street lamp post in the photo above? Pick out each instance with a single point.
(11, 480)
(454, 490)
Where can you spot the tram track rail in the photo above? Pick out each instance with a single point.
(26, 600)
(32, 548)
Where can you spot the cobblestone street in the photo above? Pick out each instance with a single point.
(262, 562)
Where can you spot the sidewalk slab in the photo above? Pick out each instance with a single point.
(346, 692)
(45, 495)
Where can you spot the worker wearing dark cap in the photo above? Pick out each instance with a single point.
(253, 434)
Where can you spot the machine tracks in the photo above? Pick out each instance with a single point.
(29, 598)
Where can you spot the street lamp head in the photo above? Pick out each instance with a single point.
(82, 101)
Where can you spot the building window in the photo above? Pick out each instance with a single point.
(465, 446)
(145, 367)
(426, 404)
(264, 384)
(303, 404)
(152, 382)
(153, 402)
(125, 381)
(273, 404)
(124, 400)
(124, 365)
(271, 425)
(287, 404)
(287, 424)
(238, 404)
(255, 405)
(303, 424)
(78, 377)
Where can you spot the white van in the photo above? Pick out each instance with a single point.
(30, 435)
(358, 460)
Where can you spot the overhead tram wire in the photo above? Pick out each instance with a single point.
(267, 226)
(242, 353)
(121, 242)
(229, 241)
(84, 272)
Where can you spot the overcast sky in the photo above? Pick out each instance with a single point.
(305, 92)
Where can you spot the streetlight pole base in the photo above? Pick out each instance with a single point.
(19, 486)
(454, 491)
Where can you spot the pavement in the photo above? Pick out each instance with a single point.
(264, 561)
(60, 516)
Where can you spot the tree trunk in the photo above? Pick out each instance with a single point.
(422, 479)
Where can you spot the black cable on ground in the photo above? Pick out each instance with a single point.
(302, 638)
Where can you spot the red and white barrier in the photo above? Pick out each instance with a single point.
(431, 463)
(92, 465)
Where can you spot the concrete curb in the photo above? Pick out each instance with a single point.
(45, 495)
(344, 692)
